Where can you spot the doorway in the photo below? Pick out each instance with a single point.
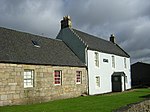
(118, 82)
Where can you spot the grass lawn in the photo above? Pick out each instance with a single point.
(99, 103)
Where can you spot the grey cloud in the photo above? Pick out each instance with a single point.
(99, 12)
(33, 16)
(140, 53)
(135, 38)
(129, 20)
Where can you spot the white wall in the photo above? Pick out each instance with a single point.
(105, 71)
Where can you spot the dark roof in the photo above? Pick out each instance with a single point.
(141, 63)
(20, 47)
(95, 43)
(118, 74)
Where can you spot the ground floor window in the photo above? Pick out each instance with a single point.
(57, 77)
(97, 81)
(28, 78)
(78, 77)
(126, 80)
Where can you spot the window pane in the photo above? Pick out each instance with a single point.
(96, 59)
(28, 78)
(125, 63)
(78, 77)
(113, 61)
(98, 81)
(126, 80)
(57, 77)
(116, 79)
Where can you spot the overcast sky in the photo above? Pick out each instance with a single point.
(129, 20)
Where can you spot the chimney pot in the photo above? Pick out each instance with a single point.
(66, 22)
(112, 38)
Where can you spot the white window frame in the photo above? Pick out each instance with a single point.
(113, 61)
(28, 78)
(58, 78)
(96, 57)
(78, 77)
(97, 79)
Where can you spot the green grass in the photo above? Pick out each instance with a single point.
(99, 103)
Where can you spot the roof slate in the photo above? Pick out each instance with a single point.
(18, 47)
(95, 43)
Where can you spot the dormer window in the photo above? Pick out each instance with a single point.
(35, 43)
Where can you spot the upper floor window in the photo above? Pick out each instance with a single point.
(28, 78)
(57, 77)
(113, 61)
(78, 77)
(125, 63)
(96, 59)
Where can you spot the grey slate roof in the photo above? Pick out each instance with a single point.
(18, 47)
(95, 43)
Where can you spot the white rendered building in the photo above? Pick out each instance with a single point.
(107, 63)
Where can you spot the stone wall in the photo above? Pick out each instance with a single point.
(143, 106)
(12, 91)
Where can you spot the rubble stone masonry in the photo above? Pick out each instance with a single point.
(12, 91)
(143, 106)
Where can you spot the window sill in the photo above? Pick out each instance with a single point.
(28, 88)
(78, 83)
(57, 84)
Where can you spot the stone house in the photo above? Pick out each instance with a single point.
(38, 69)
(107, 63)
(140, 74)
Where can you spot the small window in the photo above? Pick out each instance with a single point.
(96, 59)
(125, 63)
(113, 61)
(35, 43)
(126, 80)
(105, 60)
(28, 78)
(78, 77)
(97, 81)
(57, 77)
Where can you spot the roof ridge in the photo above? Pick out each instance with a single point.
(92, 35)
(123, 50)
(78, 37)
(19, 31)
(36, 35)
(141, 63)
(99, 43)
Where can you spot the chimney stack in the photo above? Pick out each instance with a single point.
(112, 38)
(66, 22)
